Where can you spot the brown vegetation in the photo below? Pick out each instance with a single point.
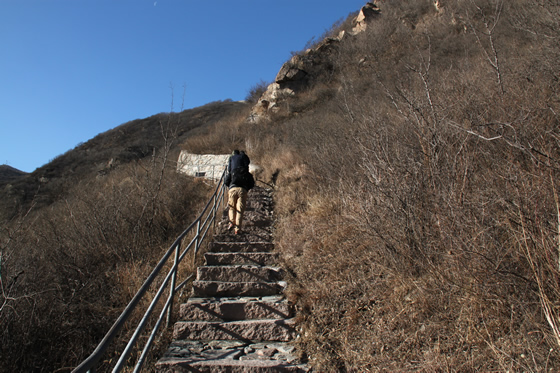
(418, 192)
(127, 143)
(8, 173)
(256, 91)
(417, 186)
(69, 270)
(422, 225)
(74, 259)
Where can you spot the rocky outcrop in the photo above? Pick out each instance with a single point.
(298, 73)
(367, 13)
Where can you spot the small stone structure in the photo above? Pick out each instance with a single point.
(209, 166)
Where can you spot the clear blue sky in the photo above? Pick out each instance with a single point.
(71, 69)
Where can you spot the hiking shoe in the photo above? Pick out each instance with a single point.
(237, 231)
(230, 225)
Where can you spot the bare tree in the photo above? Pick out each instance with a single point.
(488, 31)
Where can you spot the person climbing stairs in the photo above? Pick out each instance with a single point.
(237, 319)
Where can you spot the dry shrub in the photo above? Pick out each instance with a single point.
(416, 194)
(72, 268)
(427, 239)
(220, 137)
(256, 91)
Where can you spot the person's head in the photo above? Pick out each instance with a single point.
(235, 152)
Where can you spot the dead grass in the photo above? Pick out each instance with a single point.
(220, 137)
(423, 234)
(72, 268)
(416, 197)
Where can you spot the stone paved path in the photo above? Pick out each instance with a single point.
(237, 319)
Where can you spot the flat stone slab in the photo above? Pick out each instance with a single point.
(250, 247)
(239, 273)
(260, 258)
(239, 308)
(247, 330)
(242, 289)
(229, 356)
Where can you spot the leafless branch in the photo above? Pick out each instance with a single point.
(489, 27)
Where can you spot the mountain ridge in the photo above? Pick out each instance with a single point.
(8, 173)
(415, 178)
(128, 142)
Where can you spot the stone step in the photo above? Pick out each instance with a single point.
(250, 247)
(236, 289)
(229, 356)
(282, 330)
(241, 258)
(239, 273)
(240, 308)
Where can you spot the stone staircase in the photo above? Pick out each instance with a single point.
(237, 319)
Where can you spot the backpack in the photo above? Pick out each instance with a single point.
(238, 161)
(241, 177)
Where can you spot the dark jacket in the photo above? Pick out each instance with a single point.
(240, 160)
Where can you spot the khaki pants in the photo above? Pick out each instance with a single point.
(236, 203)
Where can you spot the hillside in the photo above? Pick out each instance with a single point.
(8, 173)
(415, 155)
(417, 162)
(129, 142)
(80, 233)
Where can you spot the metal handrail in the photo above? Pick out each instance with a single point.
(201, 226)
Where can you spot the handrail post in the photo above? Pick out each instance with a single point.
(173, 282)
(214, 208)
(225, 196)
(90, 364)
(197, 244)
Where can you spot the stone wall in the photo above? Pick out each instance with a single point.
(209, 166)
